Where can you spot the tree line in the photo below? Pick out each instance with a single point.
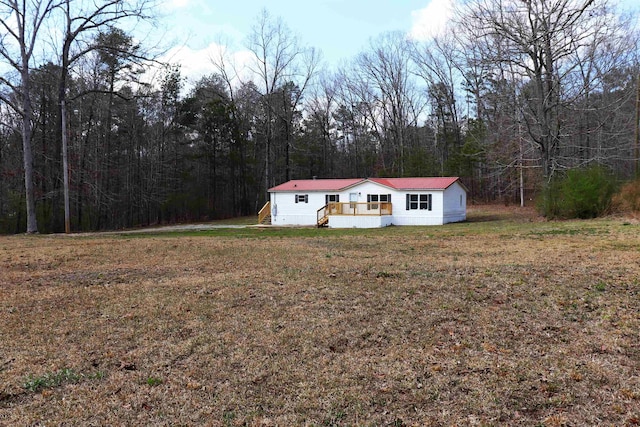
(513, 94)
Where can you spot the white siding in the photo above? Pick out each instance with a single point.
(285, 210)
(449, 205)
(402, 216)
(455, 205)
(362, 221)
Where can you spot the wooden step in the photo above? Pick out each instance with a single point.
(266, 220)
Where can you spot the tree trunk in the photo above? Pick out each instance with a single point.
(32, 223)
(65, 166)
(637, 130)
(27, 118)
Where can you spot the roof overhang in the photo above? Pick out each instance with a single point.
(398, 184)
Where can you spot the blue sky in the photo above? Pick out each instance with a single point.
(339, 28)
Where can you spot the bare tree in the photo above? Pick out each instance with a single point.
(352, 117)
(542, 35)
(278, 59)
(83, 20)
(600, 92)
(494, 93)
(436, 65)
(321, 105)
(359, 104)
(22, 21)
(387, 70)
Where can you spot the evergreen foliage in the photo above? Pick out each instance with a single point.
(580, 193)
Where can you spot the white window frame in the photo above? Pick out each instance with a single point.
(302, 198)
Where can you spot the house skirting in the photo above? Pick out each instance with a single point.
(359, 221)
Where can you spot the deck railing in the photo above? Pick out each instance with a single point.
(321, 215)
(264, 212)
(355, 208)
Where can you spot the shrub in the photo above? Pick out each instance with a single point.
(548, 200)
(628, 198)
(580, 193)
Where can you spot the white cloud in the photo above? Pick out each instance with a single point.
(432, 20)
(197, 63)
(171, 5)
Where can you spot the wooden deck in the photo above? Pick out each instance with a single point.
(352, 209)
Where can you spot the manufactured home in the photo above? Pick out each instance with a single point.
(366, 203)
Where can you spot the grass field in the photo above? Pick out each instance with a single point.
(502, 320)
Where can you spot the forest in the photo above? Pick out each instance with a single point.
(511, 95)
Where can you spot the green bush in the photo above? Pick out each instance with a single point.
(580, 193)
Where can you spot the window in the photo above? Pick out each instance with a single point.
(302, 198)
(331, 198)
(331, 201)
(419, 202)
(373, 198)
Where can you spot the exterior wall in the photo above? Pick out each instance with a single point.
(366, 221)
(455, 204)
(285, 210)
(402, 216)
(447, 206)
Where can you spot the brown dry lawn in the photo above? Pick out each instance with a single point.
(503, 320)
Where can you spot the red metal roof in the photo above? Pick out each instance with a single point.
(316, 184)
(435, 183)
(432, 183)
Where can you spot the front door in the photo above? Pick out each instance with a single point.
(353, 199)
